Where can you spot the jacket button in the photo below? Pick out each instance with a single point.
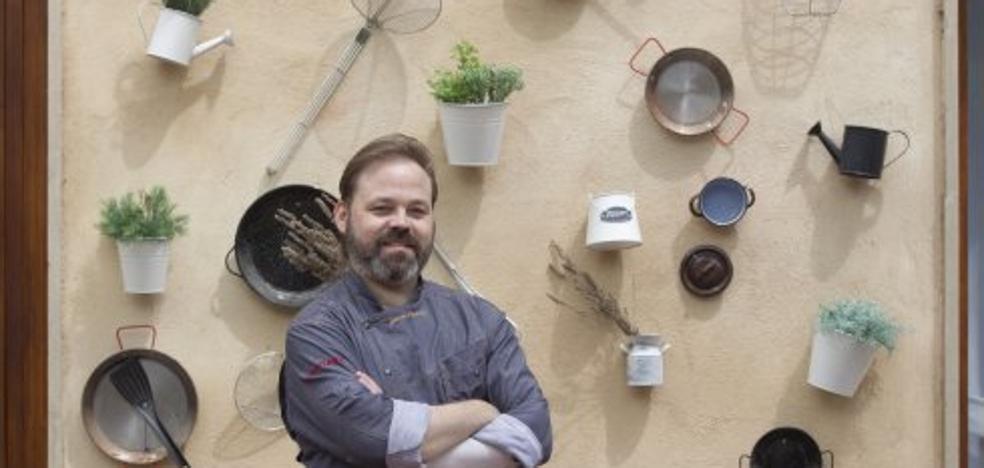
(387, 371)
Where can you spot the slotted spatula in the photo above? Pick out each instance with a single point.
(131, 381)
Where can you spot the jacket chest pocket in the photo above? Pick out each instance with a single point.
(463, 373)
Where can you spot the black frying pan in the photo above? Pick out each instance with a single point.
(787, 447)
(259, 239)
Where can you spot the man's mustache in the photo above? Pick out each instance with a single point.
(398, 236)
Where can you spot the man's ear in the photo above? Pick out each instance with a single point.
(340, 215)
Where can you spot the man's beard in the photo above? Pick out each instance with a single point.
(390, 269)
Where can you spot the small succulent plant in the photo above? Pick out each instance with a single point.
(864, 320)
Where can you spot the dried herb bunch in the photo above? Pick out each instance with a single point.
(310, 246)
(600, 300)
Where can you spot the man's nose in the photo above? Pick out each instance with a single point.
(399, 219)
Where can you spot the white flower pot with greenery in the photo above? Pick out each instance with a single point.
(175, 36)
(472, 104)
(848, 334)
(142, 225)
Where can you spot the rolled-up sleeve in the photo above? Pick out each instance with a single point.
(331, 411)
(523, 429)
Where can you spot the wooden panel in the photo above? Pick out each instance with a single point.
(3, 234)
(23, 256)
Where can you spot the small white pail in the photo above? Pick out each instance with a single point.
(175, 37)
(838, 362)
(644, 360)
(144, 265)
(613, 222)
(473, 132)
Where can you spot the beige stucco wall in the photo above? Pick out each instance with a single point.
(738, 364)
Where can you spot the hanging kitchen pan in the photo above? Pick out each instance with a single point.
(689, 91)
(786, 447)
(116, 427)
(260, 239)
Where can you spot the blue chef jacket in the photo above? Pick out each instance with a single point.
(440, 347)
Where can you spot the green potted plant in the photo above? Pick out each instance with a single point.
(472, 101)
(176, 33)
(848, 333)
(142, 224)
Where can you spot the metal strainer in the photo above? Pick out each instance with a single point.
(256, 391)
(395, 16)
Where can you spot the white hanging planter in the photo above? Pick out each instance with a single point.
(839, 362)
(644, 360)
(473, 132)
(144, 265)
(175, 37)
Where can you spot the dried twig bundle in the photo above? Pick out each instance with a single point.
(310, 246)
(600, 300)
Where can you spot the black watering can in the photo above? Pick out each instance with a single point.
(863, 151)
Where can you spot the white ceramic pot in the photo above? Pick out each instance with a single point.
(839, 362)
(144, 265)
(613, 222)
(473, 132)
(644, 360)
(175, 37)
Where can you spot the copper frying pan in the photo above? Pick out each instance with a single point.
(116, 428)
(689, 91)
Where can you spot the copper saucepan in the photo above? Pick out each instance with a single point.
(689, 91)
(115, 426)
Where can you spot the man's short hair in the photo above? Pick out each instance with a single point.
(384, 148)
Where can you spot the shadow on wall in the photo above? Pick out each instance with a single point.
(239, 440)
(594, 378)
(258, 324)
(843, 207)
(373, 95)
(800, 404)
(782, 50)
(153, 85)
(663, 154)
(542, 20)
(455, 216)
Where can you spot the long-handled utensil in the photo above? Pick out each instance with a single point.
(397, 16)
(460, 280)
(131, 381)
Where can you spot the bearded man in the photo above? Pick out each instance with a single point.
(389, 369)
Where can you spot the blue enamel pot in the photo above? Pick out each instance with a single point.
(722, 201)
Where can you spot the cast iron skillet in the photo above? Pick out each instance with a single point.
(786, 447)
(260, 236)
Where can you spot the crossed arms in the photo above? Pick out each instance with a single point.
(342, 411)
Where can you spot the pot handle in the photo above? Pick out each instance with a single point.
(639, 51)
(742, 457)
(153, 334)
(746, 119)
(751, 197)
(229, 267)
(140, 11)
(904, 150)
(828, 452)
(695, 206)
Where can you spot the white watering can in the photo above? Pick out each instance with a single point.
(644, 363)
(175, 36)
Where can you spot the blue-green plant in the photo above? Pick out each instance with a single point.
(474, 82)
(864, 320)
(193, 7)
(147, 214)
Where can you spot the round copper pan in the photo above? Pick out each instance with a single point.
(117, 429)
(689, 91)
